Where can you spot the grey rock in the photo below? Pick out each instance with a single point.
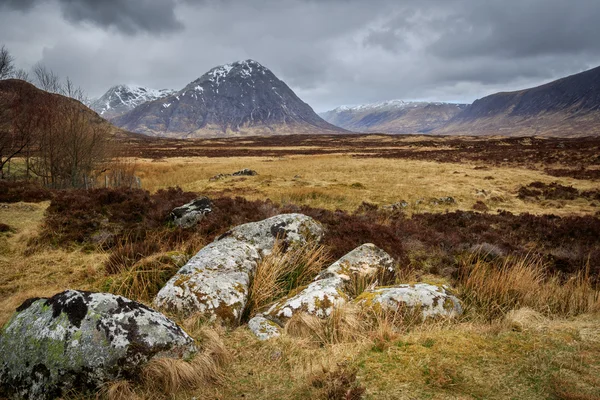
(366, 261)
(290, 229)
(214, 283)
(80, 340)
(188, 215)
(430, 300)
(264, 328)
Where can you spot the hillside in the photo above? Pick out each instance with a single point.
(20, 98)
(567, 107)
(120, 99)
(394, 116)
(243, 98)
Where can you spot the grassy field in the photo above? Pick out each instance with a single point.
(529, 347)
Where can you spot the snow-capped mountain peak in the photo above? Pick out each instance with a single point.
(120, 99)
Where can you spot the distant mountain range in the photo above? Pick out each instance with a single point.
(395, 116)
(243, 98)
(120, 99)
(567, 107)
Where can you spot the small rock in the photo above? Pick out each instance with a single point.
(431, 300)
(245, 172)
(188, 215)
(80, 340)
(219, 177)
(263, 328)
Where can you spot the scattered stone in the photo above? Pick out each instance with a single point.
(81, 340)
(188, 215)
(215, 282)
(319, 298)
(431, 300)
(443, 201)
(263, 328)
(245, 172)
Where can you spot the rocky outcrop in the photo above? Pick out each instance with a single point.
(215, 282)
(331, 287)
(188, 215)
(430, 300)
(81, 340)
(245, 172)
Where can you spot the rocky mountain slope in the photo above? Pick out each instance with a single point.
(243, 98)
(567, 107)
(394, 116)
(120, 99)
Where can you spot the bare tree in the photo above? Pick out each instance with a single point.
(7, 66)
(46, 79)
(22, 75)
(75, 92)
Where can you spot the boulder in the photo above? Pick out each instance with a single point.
(319, 298)
(264, 328)
(80, 340)
(365, 261)
(431, 300)
(245, 172)
(188, 215)
(214, 282)
(290, 229)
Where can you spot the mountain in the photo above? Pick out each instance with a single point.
(567, 107)
(243, 98)
(395, 116)
(123, 98)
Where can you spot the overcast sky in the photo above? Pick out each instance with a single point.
(330, 52)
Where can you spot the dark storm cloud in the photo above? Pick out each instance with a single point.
(331, 52)
(127, 16)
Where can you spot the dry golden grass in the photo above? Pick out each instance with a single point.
(494, 290)
(344, 182)
(283, 271)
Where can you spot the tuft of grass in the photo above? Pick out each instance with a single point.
(492, 289)
(338, 384)
(282, 271)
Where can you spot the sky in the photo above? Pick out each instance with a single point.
(330, 52)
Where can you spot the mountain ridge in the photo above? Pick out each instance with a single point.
(237, 99)
(122, 98)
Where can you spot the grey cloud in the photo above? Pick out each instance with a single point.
(126, 16)
(331, 52)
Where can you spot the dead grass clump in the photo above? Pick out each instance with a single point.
(343, 325)
(494, 289)
(338, 384)
(118, 390)
(145, 278)
(282, 271)
(524, 319)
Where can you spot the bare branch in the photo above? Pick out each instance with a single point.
(6, 63)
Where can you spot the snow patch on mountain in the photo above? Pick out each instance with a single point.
(120, 99)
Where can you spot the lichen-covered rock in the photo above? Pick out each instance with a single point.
(364, 261)
(264, 328)
(290, 229)
(80, 340)
(188, 215)
(213, 283)
(318, 299)
(431, 300)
